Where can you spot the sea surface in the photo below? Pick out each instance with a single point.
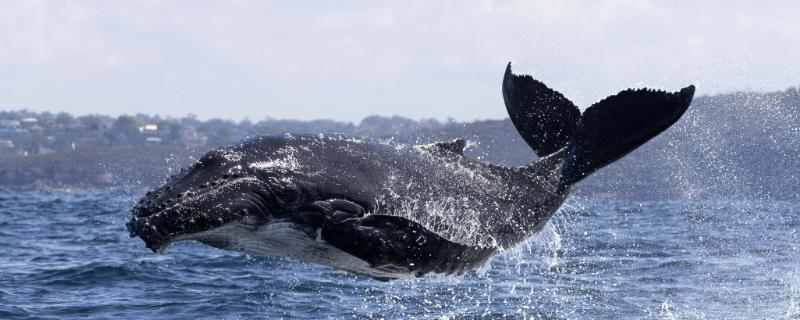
(68, 255)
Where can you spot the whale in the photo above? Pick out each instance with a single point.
(388, 210)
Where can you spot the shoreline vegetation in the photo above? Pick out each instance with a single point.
(740, 145)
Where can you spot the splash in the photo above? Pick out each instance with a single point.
(450, 218)
(668, 310)
(285, 161)
(793, 307)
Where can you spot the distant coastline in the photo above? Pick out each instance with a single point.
(733, 145)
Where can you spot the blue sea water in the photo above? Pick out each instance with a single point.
(68, 255)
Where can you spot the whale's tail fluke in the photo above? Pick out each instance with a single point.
(617, 125)
(605, 132)
(545, 118)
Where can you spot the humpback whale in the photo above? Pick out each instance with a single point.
(387, 210)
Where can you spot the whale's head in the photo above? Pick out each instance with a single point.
(237, 188)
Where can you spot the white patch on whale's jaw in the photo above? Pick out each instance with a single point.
(283, 240)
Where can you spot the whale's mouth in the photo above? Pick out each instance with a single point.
(187, 213)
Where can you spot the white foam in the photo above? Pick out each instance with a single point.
(286, 161)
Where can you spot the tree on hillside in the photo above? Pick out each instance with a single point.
(125, 131)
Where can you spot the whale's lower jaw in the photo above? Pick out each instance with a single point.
(284, 239)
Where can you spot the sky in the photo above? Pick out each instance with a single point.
(346, 60)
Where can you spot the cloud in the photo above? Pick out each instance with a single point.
(349, 60)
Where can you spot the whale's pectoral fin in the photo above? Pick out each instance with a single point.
(313, 216)
(398, 244)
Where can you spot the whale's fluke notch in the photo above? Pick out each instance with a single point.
(617, 125)
(545, 118)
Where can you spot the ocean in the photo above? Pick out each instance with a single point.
(68, 255)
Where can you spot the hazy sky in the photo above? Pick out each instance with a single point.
(419, 59)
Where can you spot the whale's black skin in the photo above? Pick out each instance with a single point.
(353, 194)
(388, 210)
